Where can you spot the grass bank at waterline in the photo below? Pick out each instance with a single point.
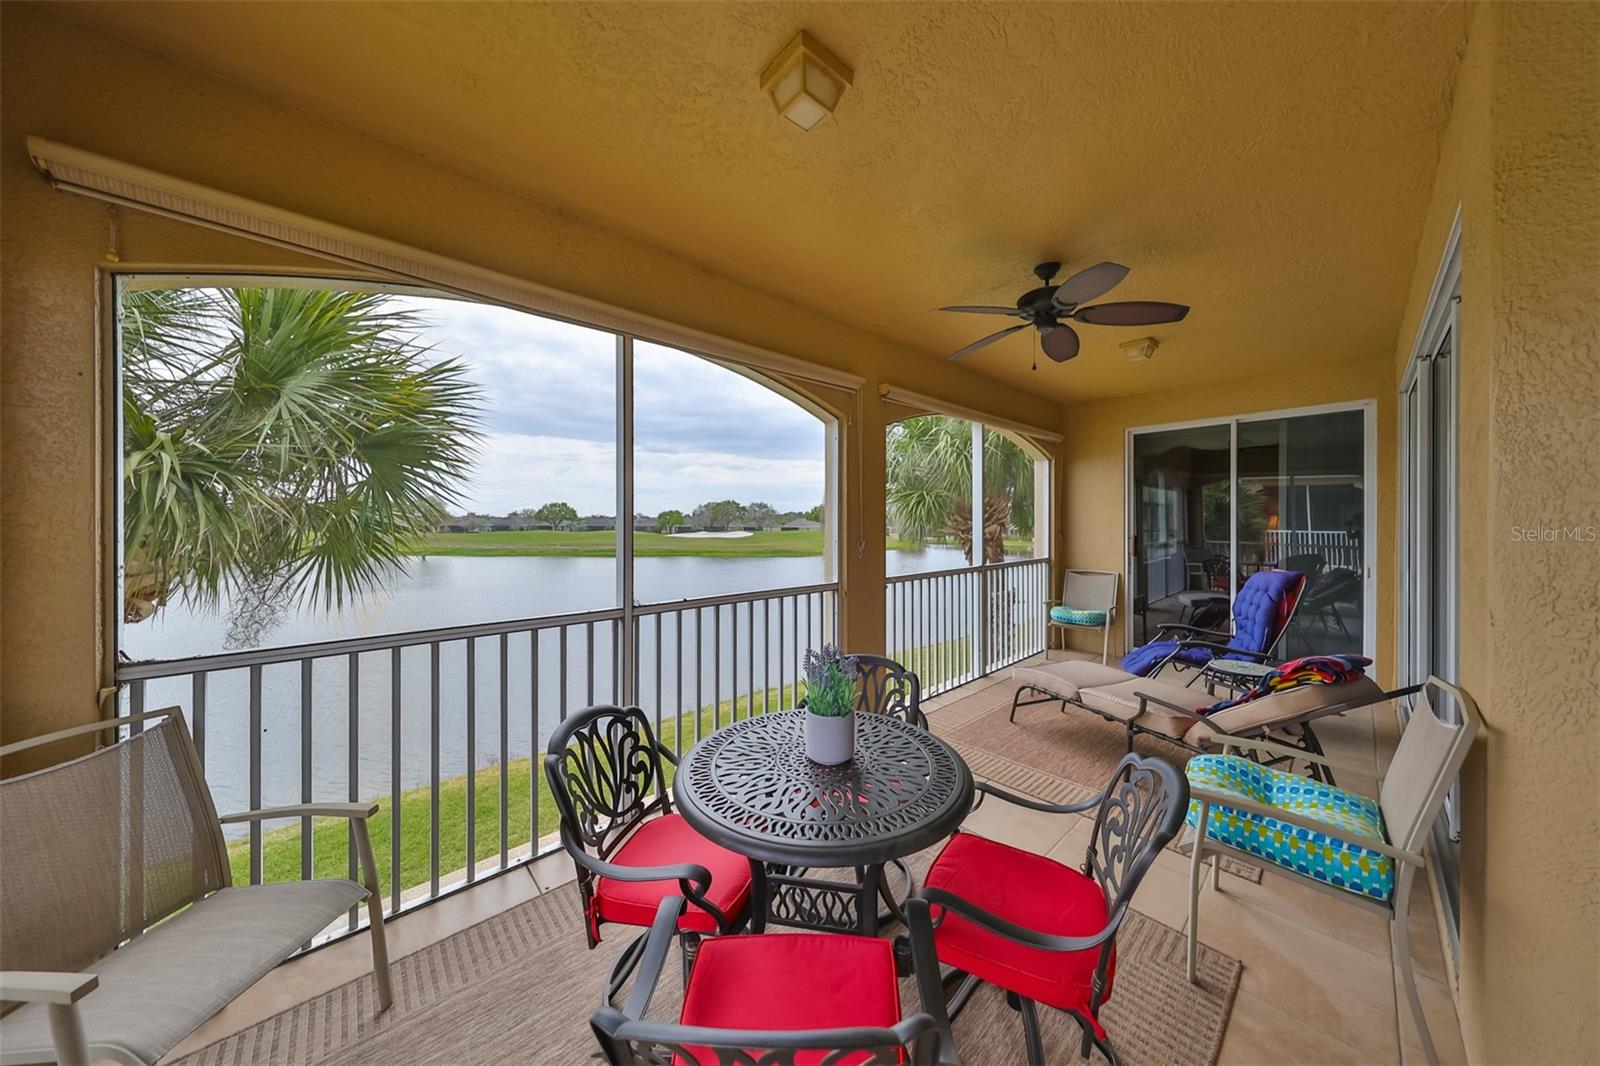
(603, 544)
(526, 789)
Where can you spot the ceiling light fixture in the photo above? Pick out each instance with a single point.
(1140, 350)
(805, 81)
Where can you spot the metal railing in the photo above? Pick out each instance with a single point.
(1336, 547)
(444, 728)
(953, 626)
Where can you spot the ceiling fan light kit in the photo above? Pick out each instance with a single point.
(1050, 309)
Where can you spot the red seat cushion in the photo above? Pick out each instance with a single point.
(792, 981)
(666, 841)
(1031, 891)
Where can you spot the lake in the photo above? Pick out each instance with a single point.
(443, 591)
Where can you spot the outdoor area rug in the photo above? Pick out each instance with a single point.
(520, 986)
(1058, 757)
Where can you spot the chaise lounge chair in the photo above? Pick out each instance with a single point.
(1261, 614)
(1174, 713)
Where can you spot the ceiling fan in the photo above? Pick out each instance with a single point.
(1049, 308)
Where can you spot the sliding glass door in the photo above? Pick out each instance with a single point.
(1179, 567)
(1301, 500)
(1212, 503)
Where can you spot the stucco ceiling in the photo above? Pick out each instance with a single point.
(1267, 164)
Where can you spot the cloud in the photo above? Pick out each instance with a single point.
(702, 432)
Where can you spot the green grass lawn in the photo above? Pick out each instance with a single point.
(604, 544)
(280, 845)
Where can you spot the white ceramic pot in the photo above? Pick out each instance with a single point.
(830, 741)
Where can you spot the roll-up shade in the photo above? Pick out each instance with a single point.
(933, 405)
(90, 174)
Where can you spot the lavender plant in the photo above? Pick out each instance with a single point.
(830, 681)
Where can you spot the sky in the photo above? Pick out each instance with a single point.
(701, 432)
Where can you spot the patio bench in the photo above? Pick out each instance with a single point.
(120, 929)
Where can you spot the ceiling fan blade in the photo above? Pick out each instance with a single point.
(1059, 342)
(990, 339)
(1131, 313)
(1086, 284)
(980, 310)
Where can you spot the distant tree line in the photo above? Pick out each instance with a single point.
(711, 515)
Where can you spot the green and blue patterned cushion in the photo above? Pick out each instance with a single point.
(1334, 862)
(1069, 616)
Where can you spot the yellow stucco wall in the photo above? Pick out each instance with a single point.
(82, 88)
(1520, 156)
(1093, 473)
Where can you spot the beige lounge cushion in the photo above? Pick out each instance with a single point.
(1280, 708)
(1121, 701)
(1067, 677)
(159, 987)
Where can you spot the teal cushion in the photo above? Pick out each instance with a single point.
(1067, 616)
(1305, 851)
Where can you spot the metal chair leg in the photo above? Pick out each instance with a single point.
(689, 945)
(1030, 1032)
(623, 968)
(1192, 954)
(1402, 949)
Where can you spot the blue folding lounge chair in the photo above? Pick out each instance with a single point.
(1261, 614)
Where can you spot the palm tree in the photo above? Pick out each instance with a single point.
(281, 445)
(930, 478)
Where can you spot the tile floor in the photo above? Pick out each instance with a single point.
(1318, 986)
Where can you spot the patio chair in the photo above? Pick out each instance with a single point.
(1261, 614)
(773, 1000)
(1088, 601)
(630, 848)
(1040, 930)
(1178, 714)
(1363, 850)
(887, 687)
(120, 928)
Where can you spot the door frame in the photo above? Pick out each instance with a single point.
(1369, 492)
(1416, 642)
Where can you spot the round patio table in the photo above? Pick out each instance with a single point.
(750, 788)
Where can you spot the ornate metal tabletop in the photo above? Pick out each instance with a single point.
(750, 788)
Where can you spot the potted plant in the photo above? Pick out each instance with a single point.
(831, 679)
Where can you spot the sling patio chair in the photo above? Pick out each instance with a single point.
(1088, 601)
(121, 930)
(1036, 928)
(1363, 850)
(772, 1000)
(631, 849)
(1261, 614)
(1178, 714)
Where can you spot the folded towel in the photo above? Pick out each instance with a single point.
(1308, 670)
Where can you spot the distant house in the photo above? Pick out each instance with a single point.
(594, 523)
(644, 524)
(500, 525)
(453, 527)
(800, 524)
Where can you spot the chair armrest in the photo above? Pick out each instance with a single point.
(304, 810)
(1223, 649)
(1333, 832)
(45, 986)
(683, 871)
(1229, 744)
(986, 788)
(1188, 712)
(1016, 933)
